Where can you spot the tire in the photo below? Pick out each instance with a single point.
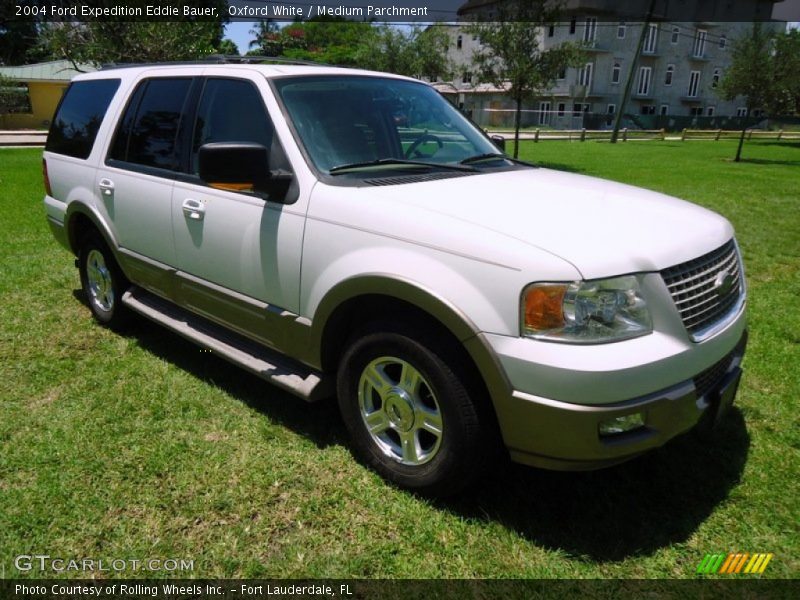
(103, 282)
(410, 415)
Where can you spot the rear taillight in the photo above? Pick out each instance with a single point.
(47, 189)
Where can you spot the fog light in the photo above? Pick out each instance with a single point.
(621, 424)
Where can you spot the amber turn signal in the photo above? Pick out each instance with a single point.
(544, 306)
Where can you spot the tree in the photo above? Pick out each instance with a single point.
(751, 74)
(18, 38)
(511, 54)
(265, 41)
(415, 52)
(100, 41)
(227, 47)
(786, 99)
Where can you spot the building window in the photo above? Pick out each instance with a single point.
(696, 111)
(757, 112)
(17, 98)
(710, 111)
(700, 43)
(562, 108)
(562, 74)
(621, 30)
(551, 30)
(694, 84)
(590, 29)
(675, 35)
(669, 74)
(466, 77)
(611, 109)
(585, 75)
(664, 110)
(459, 41)
(651, 40)
(615, 72)
(715, 78)
(572, 25)
(648, 109)
(580, 107)
(723, 42)
(741, 111)
(643, 87)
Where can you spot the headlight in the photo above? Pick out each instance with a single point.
(585, 312)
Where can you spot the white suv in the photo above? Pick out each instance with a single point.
(348, 232)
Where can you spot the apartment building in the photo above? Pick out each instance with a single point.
(677, 73)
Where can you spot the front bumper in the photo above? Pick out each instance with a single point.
(548, 433)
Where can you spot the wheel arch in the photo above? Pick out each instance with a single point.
(79, 220)
(378, 296)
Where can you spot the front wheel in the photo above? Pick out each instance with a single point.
(410, 415)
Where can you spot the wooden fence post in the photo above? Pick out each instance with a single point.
(625, 135)
(683, 135)
(536, 136)
(663, 134)
(583, 134)
(716, 138)
(780, 134)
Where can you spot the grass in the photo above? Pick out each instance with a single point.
(140, 445)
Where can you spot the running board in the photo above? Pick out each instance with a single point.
(263, 362)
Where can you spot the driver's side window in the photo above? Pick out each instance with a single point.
(231, 110)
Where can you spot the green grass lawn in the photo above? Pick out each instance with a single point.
(141, 446)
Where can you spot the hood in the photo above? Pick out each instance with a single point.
(603, 228)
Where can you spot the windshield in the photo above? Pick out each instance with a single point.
(351, 124)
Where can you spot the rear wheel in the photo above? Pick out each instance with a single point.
(103, 282)
(410, 414)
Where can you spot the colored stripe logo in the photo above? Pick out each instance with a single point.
(734, 562)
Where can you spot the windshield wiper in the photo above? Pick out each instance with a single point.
(482, 157)
(395, 161)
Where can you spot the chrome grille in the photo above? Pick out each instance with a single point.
(694, 288)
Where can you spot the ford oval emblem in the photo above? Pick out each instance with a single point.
(723, 283)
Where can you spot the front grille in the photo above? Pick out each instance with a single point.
(709, 379)
(694, 289)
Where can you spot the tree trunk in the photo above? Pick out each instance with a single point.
(517, 121)
(741, 143)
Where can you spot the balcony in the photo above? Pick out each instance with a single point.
(699, 58)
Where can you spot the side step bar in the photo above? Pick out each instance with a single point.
(267, 364)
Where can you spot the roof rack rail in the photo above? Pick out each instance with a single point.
(219, 59)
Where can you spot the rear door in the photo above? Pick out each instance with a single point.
(136, 180)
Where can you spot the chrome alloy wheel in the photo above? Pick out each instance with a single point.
(101, 286)
(400, 411)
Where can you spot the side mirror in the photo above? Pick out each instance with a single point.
(499, 141)
(242, 167)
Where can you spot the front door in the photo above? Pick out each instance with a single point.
(238, 253)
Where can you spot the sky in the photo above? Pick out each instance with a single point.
(239, 32)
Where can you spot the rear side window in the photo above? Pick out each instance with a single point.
(79, 115)
(149, 130)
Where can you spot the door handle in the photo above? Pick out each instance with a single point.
(194, 209)
(106, 187)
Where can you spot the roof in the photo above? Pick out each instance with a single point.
(271, 70)
(56, 70)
